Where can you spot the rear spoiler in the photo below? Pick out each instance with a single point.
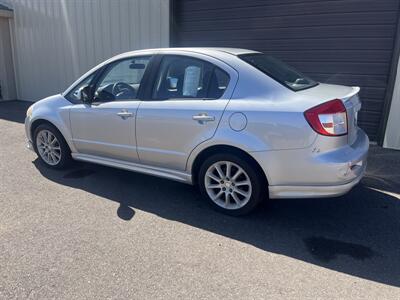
(355, 90)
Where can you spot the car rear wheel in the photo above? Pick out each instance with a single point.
(231, 184)
(51, 147)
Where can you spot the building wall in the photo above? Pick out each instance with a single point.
(392, 134)
(7, 78)
(56, 41)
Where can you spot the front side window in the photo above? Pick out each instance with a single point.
(182, 77)
(279, 71)
(75, 95)
(121, 81)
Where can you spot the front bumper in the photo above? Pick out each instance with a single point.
(29, 145)
(306, 173)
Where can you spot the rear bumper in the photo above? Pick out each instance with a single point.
(287, 191)
(315, 172)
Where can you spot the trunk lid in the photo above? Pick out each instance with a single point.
(353, 106)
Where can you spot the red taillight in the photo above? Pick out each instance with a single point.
(329, 118)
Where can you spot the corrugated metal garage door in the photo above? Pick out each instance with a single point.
(336, 41)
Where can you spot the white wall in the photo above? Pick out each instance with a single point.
(392, 134)
(56, 41)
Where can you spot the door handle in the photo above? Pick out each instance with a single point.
(202, 118)
(125, 114)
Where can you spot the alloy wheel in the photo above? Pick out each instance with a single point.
(228, 185)
(49, 147)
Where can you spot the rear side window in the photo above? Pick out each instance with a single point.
(181, 77)
(218, 83)
(279, 71)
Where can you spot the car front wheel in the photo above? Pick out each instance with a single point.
(51, 147)
(232, 185)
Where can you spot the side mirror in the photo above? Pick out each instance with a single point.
(87, 94)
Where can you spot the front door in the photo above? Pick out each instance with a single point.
(185, 106)
(106, 127)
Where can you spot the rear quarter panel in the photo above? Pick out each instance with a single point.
(268, 127)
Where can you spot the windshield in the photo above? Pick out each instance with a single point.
(279, 71)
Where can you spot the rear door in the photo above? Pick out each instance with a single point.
(182, 109)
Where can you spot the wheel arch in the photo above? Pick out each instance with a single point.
(214, 149)
(36, 123)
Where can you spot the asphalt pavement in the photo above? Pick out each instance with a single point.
(93, 232)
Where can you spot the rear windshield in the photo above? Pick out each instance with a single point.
(279, 71)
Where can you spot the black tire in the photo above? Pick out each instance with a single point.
(259, 189)
(65, 159)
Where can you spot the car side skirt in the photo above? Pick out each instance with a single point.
(145, 169)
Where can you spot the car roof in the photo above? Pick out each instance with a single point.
(233, 51)
(204, 50)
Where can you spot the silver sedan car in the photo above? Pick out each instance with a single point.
(240, 124)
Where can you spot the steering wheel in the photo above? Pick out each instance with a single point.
(121, 88)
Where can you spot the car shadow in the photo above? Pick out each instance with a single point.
(357, 234)
(14, 111)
